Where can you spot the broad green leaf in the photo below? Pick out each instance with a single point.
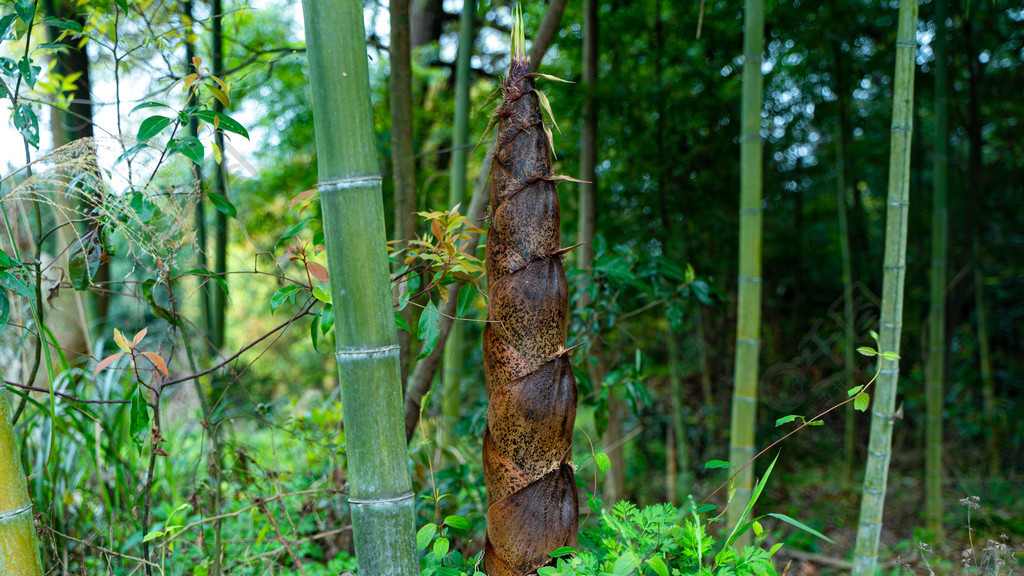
(221, 122)
(712, 464)
(282, 295)
(401, 323)
(130, 152)
(563, 551)
(5, 25)
(425, 535)
(322, 292)
(467, 295)
(816, 423)
(862, 401)
(11, 282)
(625, 564)
(800, 525)
(787, 419)
(440, 547)
(458, 523)
(152, 126)
(222, 204)
(123, 4)
(27, 123)
(152, 535)
(190, 147)
(138, 423)
(867, 351)
(149, 105)
(602, 461)
(890, 356)
(327, 319)
(292, 232)
(26, 10)
(658, 565)
(427, 331)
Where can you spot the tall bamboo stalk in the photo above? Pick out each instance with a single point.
(453, 353)
(937, 315)
(748, 320)
(205, 321)
(380, 491)
(19, 548)
(219, 301)
(884, 402)
(849, 343)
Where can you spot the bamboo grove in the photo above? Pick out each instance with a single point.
(775, 318)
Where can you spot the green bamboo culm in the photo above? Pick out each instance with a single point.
(937, 314)
(453, 353)
(884, 402)
(748, 322)
(380, 490)
(19, 548)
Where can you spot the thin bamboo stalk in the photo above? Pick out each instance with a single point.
(380, 490)
(884, 402)
(937, 314)
(748, 321)
(19, 548)
(220, 181)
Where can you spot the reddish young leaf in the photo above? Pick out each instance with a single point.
(158, 362)
(317, 271)
(107, 362)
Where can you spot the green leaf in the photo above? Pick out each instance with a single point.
(16, 285)
(281, 296)
(222, 204)
(401, 323)
(190, 147)
(712, 464)
(294, 230)
(563, 551)
(5, 310)
(425, 535)
(861, 402)
(427, 331)
(467, 295)
(149, 105)
(853, 391)
(816, 423)
(874, 335)
(26, 10)
(327, 318)
(322, 292)
(220, 280)
(152, 126)
(440, 547)
(658, 565)
(5, 25)
(626, 564)
(223, 121)
(800, 525)
(458, 523)
(152, 535)
(123, 4)
(130, 152)
(758, 488)
(787, 419)
(27, 123)
(890, 356)
(867, 351)
(602, 461)
(138, 422)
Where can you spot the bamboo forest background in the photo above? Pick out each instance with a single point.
(167, 315)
